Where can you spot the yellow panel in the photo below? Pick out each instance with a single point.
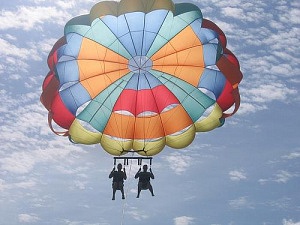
(211, 122)
(80, 135)
(115, 147)
(175, 120)
(150, 147)
(182, 140)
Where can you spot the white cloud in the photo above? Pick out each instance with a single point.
(137, 214)
(28, 17)
(28, 218)
(241, 202)
(270, 92)
(183, 220)
(289, 222)
(293, 155)
(178, 162)
(283, 176)
(237, 175)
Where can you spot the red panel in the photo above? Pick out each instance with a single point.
(60, 114)
(226, 99)
(52, 58)
(126, 101)
(50, 89)
(153, 100)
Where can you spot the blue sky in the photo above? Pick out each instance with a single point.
(246, 172)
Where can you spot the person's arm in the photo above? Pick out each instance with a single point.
(111, 173)
(137, 174)
(125, 176)
(151, 174)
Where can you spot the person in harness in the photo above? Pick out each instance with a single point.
(118, 180)
(144, 180)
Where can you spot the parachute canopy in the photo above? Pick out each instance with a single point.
(137, 75)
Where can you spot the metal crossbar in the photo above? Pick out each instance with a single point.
(138, 158)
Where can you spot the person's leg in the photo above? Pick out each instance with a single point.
(114, 186)
(139, 190)
(151, 189)
(122, 191)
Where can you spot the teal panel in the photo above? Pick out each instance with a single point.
(79, 24)
(100, 33)
(193, 100)
(98, 111)
(119, 48)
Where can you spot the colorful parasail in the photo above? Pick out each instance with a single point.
(138, 75)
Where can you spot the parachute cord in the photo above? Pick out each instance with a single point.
(126, 193)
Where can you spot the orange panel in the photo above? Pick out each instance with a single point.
(96, 84)
(175, 120)
(192, 56)
(121, 126)
(91, 68)
(129, 127)
(185, 39)
(167, 49)
(93, 50)
(148, 127)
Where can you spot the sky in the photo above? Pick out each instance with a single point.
(246, 172)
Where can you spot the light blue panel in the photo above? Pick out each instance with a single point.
(73, 44)
(143, 81)
(147, 41)
(205, 35)
(135, 21)
(210, 54)
(154, 20)
(213, 81)
(117, 25)
(152, 80)
(137, 38)
(74, 96)
(67, 71)
(127, 42)
(133, 82)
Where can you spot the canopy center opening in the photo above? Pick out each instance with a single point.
(140, 64)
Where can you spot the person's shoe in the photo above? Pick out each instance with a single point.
(113, 198)
(123, 197)
(137, 196)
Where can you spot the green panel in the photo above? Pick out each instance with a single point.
(193, 100)
(100, 33)
(98, 111)
(79, 24)
(79, 29)
(119, 48)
